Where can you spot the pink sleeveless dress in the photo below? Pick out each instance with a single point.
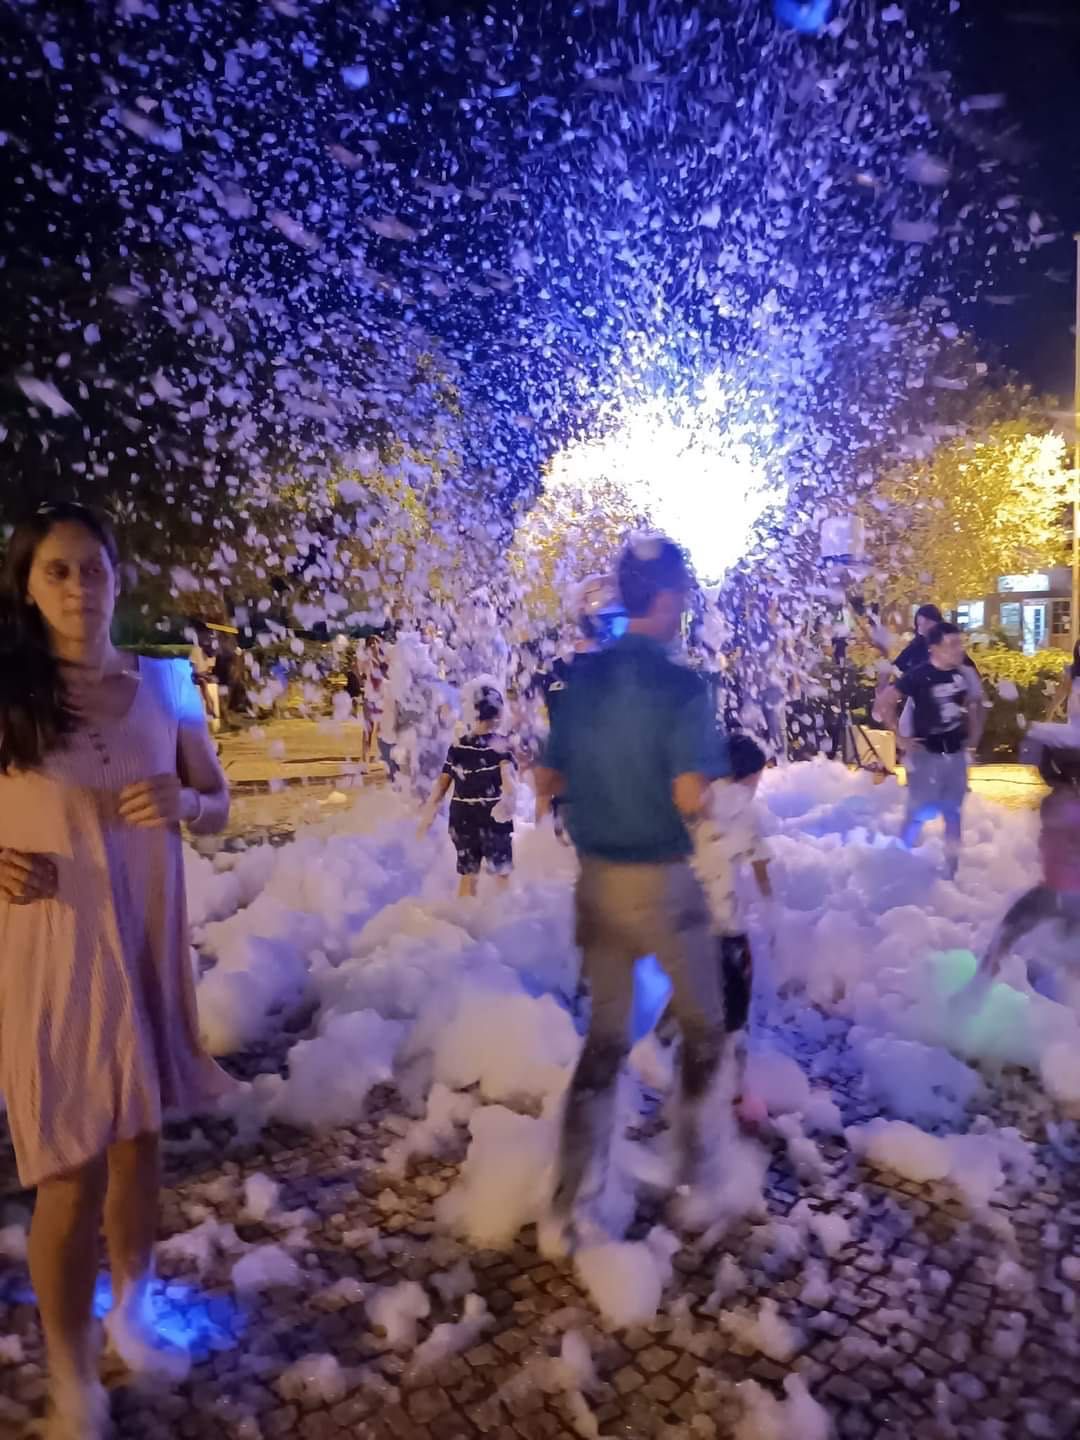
(98, 1025)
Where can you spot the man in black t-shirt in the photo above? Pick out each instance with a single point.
(947, 724)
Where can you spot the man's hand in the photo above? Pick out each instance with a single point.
(151, 804)
(887, 706)
(25, 878)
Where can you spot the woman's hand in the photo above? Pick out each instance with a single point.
(152, 803)
(25, 878)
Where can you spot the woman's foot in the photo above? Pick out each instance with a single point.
(78, 1410)
(134, 1337)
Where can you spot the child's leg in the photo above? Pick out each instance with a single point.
(737, 976)
(497, 844)
(469, 854)
(736, 970)
(1031, 910)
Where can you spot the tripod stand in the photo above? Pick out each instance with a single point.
(855, 745)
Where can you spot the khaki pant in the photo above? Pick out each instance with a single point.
(623, 913)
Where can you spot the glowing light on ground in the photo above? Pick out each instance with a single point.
(696, 467)
(184, 1315)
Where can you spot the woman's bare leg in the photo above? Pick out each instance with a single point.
(63, 1254)
(131, 1216)
(131, 1212)
(467, 887)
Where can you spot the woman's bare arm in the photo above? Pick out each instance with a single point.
(204, 799)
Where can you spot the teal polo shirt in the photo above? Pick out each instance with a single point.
(630, 721)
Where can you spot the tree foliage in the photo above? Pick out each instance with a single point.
(567, 535)
(984, 503)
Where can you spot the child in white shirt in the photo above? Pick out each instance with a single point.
(728, 840)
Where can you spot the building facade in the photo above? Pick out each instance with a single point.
(1031, 612)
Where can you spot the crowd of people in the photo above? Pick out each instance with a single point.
(104, 755)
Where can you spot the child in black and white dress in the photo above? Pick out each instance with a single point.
(480, 772)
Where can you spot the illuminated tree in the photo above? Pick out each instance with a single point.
(982, 505)
(568, 534)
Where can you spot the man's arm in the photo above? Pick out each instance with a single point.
(550, 784)
(976, 707)
(697, 755)
(887, 707)
(690, 791)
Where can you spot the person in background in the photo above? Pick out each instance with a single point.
(354, 685)
(633, 747)
(729, 839)
(225, 652)
(947, 726)
(204, 667)
(1057, 898)
(1068, 692)
(480, 775)
(372, 669)
(917, 651)
(102, 757)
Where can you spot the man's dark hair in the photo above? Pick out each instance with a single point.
(746, 755)
(647, 567)
(929, 612)
(941, 631)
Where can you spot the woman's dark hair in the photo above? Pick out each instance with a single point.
(1076, 661)
(35, 716)
(928, 612)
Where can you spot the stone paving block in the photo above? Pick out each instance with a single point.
(281, 1422)
(847, 1391)
(655, 1359)
(661, 1389)
(524, 1402)
(352, 1410)
(541, 1426)
(628, 1379)
(686, 1369)
(424, 1405)
(488, 1416)
(319, 1425)
(451, 1426)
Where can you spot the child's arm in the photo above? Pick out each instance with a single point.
(434, 800)
(761, 875)
(504, 809)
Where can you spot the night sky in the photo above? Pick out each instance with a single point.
(1029, 50)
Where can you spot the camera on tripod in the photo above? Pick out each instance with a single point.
(843, 550)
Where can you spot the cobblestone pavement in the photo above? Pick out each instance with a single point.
(917, 1333)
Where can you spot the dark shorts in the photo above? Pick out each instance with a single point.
(480, 842)
(736, 974)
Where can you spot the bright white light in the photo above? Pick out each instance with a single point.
(693, 469)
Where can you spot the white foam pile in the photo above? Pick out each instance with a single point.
(466, 1004)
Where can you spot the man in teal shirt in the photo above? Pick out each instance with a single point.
(632, 749)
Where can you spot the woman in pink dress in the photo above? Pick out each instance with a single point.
(102, 756)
